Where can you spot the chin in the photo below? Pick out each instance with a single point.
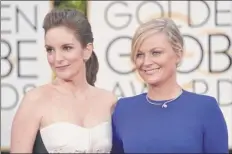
(152, 80)
(64, 76)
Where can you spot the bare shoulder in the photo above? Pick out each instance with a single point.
(37, 93)
(31, 104)
(27, 119)
(107, 95)
(33, 99)
(110, 99)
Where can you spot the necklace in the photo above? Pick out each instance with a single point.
(164, 105)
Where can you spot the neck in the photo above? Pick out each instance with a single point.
(77, 84)
(164, 91)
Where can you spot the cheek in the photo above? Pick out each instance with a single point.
(167, 61)
(74, 57)
(169, 65)
(138, 63)
(50, 59)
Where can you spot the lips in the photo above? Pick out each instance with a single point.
(152, 71)
(62, 67)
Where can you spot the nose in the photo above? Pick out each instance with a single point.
(58, 56)
(147, 60)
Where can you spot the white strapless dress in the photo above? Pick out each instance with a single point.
(65, 137)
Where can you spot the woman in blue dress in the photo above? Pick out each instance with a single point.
(166, 119)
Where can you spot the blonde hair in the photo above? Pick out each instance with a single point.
(153, 26)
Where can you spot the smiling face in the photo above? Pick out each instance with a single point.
(157, 49)
(65, 53)
(155, 60)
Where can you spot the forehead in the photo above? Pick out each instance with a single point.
(157, 40)
(60, 35)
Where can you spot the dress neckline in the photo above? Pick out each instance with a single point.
(72, 125)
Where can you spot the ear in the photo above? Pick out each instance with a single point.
(88, 51)
(179, 56)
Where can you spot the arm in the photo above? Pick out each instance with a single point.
(25, 125)
(117, 145)
(215, 129)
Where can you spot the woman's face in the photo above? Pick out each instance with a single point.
(155, 60)
(65, 53)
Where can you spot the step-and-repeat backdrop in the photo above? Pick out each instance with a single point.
(23, 57)
(207, 30)
(206, 68)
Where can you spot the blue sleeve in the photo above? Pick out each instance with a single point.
(117, 145)
(215, 129)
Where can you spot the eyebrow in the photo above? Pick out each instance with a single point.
(66, 44)
(155, 48)
(47, 46)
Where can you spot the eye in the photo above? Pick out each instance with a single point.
(156, 53)
(138, 55)
(49, 50)
(67, 48)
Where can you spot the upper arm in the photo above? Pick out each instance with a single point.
(110, 100)
(215, 129)
(117, 145)
(114, 100)
(25, 125)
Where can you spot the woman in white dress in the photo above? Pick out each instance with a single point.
(69, 115)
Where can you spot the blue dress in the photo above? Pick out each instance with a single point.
(192, 123)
